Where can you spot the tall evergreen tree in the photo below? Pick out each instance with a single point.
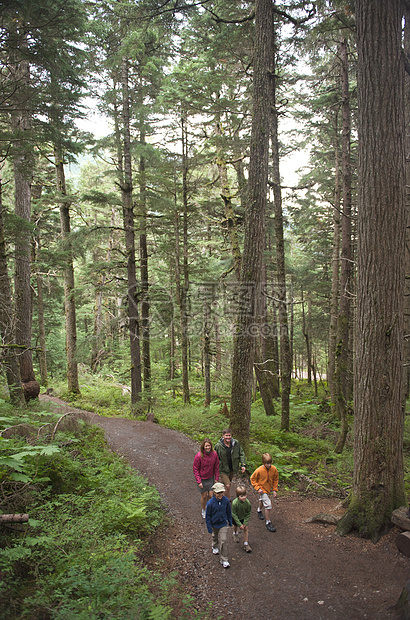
(378, 485)
(23, 162)
(44, 65)
(254, 243)
(9, 354)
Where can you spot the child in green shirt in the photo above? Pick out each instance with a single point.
(241, 513)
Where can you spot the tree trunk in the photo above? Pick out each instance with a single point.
(334, 298)
(272, 354)
(41, 322)
(229, 213)
(42, 355)
(128, 213)
(97, 349)
(23, 172)
(184, 286)
(262, 364)
(378, 484)
(68, 272)
(41, 332)
(242, 182)
(8, 353)
(311, 373)
(218, 347)
(172, 340)
(270, 344)
(306, 335)
(254, 240)
(145, 302)
(285, 350)
(264, 381)
(406, 43)
(207, 348)
(343, 358)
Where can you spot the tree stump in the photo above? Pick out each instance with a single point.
(225, 410)
(31, 390)
(403, 543)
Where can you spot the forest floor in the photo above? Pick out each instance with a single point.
(303, 571)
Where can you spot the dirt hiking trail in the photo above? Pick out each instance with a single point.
(303, 571)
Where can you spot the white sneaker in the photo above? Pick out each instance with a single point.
(215, 550)
(225, 564)
(203, 513)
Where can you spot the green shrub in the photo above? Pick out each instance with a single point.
(91, 516)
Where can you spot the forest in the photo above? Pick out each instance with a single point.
(156, 237)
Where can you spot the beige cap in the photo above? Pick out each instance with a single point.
(218, 487)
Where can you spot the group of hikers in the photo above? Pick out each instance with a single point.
(214, 468)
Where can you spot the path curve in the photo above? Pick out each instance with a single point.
(304, 571)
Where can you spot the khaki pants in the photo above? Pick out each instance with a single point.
(220, 541)
(225, 479)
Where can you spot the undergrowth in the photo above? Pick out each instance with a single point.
(91, 517)
(304, 456)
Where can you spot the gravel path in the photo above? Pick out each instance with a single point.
(304, 571)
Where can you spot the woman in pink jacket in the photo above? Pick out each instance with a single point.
(206, 471)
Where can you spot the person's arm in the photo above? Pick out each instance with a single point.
(235, 517)
(196, 468)
(275, 482)
(255, 480)
(208, 517)
(229, 512)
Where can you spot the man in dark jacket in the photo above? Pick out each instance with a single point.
(231, 459)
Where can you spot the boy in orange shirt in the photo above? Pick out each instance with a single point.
(265, 480)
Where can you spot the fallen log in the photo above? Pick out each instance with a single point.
(16, 518)
(401, 518)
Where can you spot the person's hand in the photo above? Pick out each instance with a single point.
(242, 527)
(261, 491)
(274, 493)
(201, 486)
(243, 469)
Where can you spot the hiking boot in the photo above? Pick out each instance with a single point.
(260, 515)
(270, 527)
(225, 564)
(235, 537)
(215, 550)
(247, 548)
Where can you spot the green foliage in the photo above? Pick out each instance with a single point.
(19, 461)
(103, 586)
(80, 555)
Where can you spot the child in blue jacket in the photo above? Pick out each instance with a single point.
(218, 516)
